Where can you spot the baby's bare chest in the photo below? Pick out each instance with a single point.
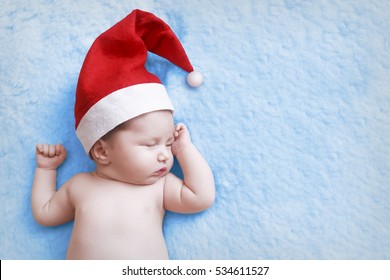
(120, 207)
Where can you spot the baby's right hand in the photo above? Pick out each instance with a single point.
(50, 156)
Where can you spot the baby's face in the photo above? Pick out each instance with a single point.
(140, 149)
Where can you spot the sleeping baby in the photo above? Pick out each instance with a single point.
(124, 120)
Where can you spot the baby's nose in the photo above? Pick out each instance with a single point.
(163, 155)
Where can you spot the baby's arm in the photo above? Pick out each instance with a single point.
(197, 191)
(50, 207)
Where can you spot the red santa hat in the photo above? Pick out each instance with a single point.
(114, 85)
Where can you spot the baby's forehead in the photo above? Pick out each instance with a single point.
(149, 120)
(156, 122)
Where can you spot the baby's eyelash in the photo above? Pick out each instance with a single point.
(170, 142)
(149, 144)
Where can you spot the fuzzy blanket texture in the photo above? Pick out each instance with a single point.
(293, 118)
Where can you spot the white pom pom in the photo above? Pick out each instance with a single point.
(195, 79)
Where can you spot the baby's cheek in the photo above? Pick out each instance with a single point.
(170, 162)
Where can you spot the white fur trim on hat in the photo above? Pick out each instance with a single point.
(118, 107)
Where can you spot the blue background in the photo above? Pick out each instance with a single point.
(293, 117)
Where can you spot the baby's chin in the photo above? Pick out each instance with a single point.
(146, 179)
(151, 180)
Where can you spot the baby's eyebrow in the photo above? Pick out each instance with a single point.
(158, 139)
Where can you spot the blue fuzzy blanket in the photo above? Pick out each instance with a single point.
(293, 117)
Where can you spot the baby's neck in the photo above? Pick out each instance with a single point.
(101, 175)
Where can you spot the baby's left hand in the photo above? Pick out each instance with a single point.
(182, 138)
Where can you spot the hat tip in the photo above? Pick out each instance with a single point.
(194, 79)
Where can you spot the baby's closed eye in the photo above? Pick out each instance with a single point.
(149, 144)
(170, 143)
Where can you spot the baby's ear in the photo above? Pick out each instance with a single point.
(99, 152)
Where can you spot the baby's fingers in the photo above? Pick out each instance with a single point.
(43, 149)
(179, 128)
(58, 149)
(52, 150)
(39, 148)
(47, 150)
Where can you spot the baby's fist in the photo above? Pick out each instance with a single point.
(182, 138)
(50, 156)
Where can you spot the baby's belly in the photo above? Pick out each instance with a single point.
(117, 238)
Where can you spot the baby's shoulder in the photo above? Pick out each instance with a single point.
(79, 179)
(79, 184)
(83, 176)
